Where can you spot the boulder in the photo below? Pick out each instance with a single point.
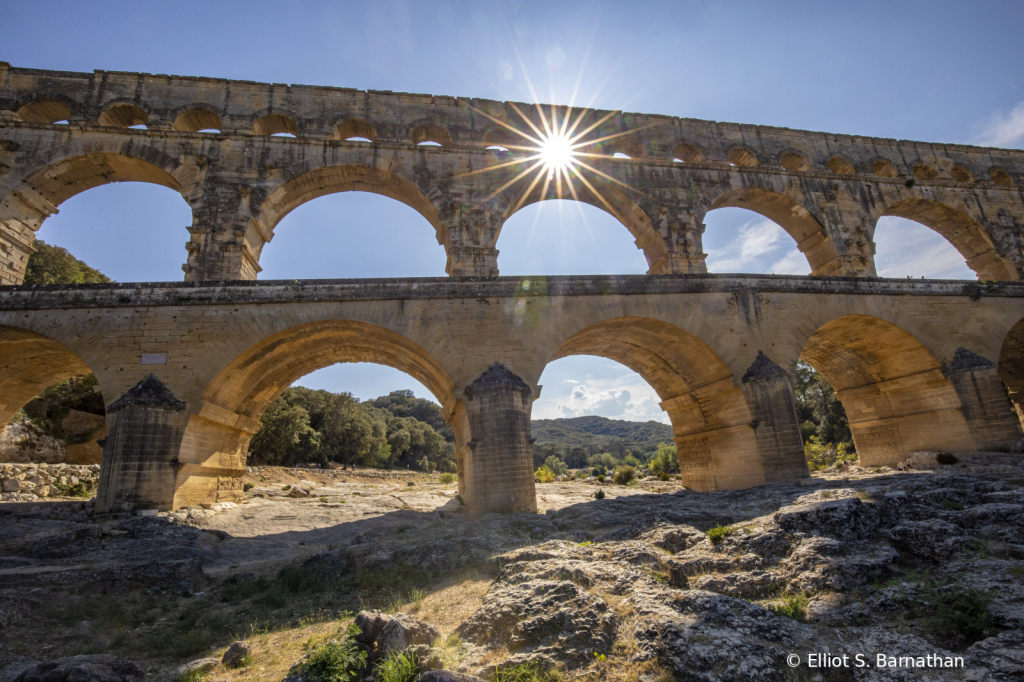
(370, 624)
(844, 518)
(236, 654)
(402, 632)
(199, 665)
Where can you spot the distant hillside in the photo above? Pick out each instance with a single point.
(600, 434)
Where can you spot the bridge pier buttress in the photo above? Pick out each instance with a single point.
(989, 413)
(496, 466)
(140, 453)
(780, 446)
(16, 240)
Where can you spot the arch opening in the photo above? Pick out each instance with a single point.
(893, 389)
(44, 382)
(564, 237)
(305, 187)
(357, 234)
(44, 111)
(841, 166)
(688, 153)
(197, 120)
(966, 236)
(743, 158)
(430, 134)
(275, 124)
(124, 116)
(217, 438)
(355, 129)
(1011, 367)
(756, 237)
(588, 389)
(709, 414)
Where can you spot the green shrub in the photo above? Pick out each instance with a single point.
(624, 474)
(600, 478)
(598, 471)
(599, 495)
(336, 660)
(248, 486)
(792, 606)
(632, 461)
(954, 613)
(447, 478)
(662, 476)
(946, 458)
(719, 533)
(666, 459)
(398, 667)
(558, 466)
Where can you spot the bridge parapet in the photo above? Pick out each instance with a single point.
(827, 191)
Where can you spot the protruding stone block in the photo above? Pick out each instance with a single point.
(140, 455)
(498, 469)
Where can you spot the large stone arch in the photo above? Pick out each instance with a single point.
(813, 240)
(713, 424)
(603, 196)
(216, 438)
(961, 230)
(305, 184)
(30, 363)
(897, 397)
(29, 197)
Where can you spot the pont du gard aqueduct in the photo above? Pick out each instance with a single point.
(188, 368)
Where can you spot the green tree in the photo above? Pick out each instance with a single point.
(603, 459)
(556, 465)
(666, 460)
(820, 412)
(54, 265)
(285, 436)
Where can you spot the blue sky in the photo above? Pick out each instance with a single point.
(936, 71)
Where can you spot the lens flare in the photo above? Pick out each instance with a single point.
(556, 152)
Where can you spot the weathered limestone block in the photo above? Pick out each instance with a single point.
(499, 465)
(140, 455)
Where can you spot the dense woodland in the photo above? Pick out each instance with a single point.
(398, 430)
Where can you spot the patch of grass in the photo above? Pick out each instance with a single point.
(387, 590)
(398, 667)
(792, 606)
(527, 672)
(719, 533)
(588, 543)
(954, 613)
(447, 478)
(336, 660)
(864, 496)
(952, 504)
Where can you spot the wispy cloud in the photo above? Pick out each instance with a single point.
(1003, 130)
(759, 246)
(909, 249)
(611, 403)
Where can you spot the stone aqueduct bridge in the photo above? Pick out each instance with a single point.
(917, 364)
(912, 361)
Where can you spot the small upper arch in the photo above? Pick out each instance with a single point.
(743, 158)
(123, 115)
(883, 168)
(688, 153)
(275, 124)
(961, 174)
(794, 161)
(1001, 177)
(841, 166)
(44, 110)
(431, 133)
(925, 171)
(354, 128)
(194, 120)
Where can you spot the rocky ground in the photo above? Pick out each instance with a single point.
(923, 567)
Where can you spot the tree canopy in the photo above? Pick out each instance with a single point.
(55, 265)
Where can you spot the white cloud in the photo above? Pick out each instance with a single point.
(570, 381)
(909, 249)
(1003, 130)
(757, 248)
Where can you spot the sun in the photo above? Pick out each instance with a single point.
(556, 152)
